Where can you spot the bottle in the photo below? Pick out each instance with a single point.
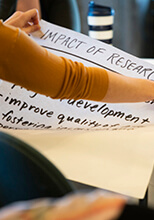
(100, 21)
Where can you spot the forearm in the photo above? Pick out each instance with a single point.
(128, 89)
(24, 5)
(36, 69)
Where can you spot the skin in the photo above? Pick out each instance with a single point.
(121, 88)
(127, 89)
(24, 6)
(27, 21)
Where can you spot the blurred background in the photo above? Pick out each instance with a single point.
(133, 24)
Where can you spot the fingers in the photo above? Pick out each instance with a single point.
(31, 16)
(28, 21)
(31, 28)
(12, 19)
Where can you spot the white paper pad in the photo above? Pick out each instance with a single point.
(113, 148)
(118, 161)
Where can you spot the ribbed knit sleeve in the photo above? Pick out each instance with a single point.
(25, 63)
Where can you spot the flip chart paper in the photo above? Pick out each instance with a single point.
(106, 143)
(118, 161)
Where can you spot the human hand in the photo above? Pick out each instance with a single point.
(27, 21)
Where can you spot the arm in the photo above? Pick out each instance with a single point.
(28, 21)
(25, 5)
(36, 69)
(127, 89)
(93, 205)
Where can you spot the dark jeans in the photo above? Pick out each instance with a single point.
(134, 212)
(61, 12)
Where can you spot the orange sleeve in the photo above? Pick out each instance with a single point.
(25, 63)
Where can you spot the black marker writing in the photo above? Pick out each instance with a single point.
(94, 50)
(122, 62)
(62, 39)
(62, 118)
(104, 110)
(31, 96)
(11, 118)
(22, 105)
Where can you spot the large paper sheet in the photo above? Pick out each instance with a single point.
(118, 161)
(105, 145)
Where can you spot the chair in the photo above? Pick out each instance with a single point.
(26, 174)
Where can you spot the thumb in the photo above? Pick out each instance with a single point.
(31, 28)
(31, 16)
